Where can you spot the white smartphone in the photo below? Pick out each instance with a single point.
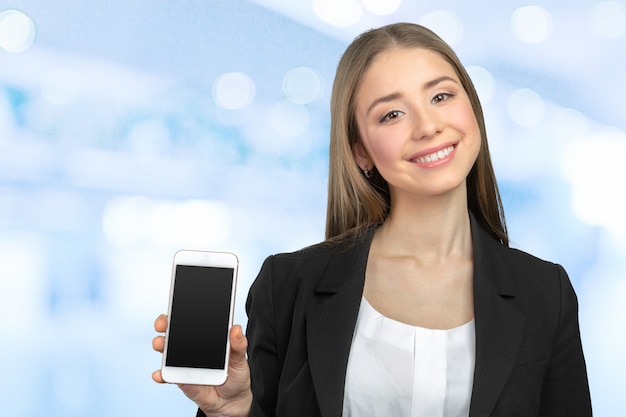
(200, 315)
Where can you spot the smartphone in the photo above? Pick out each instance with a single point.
(200, 315)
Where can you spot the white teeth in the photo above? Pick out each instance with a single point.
(435, 156)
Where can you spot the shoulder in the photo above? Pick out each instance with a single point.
(538, 287)
(530, 264)
(526, 280)
(315, 259)
(308, 259)
(538, 280)
(326, 265)
(530, 269)
(498, 259)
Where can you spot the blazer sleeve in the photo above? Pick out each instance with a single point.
(263, 359)
(565, 390)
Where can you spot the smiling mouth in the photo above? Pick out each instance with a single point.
(435, 156)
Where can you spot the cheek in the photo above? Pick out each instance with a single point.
(468, 120)
(379, 145)
(382, 151)
(469, 125)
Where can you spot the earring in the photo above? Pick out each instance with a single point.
(366, 172)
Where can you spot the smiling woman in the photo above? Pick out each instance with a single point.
(484, 198)
(414, 305)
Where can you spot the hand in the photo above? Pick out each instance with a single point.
(234, 397)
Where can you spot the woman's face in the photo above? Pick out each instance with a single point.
(416, 123)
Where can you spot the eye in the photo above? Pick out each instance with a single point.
(392, 115)
(441, 97)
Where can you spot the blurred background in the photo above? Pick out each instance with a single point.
(130, 129)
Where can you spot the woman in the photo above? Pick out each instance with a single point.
(414, 305)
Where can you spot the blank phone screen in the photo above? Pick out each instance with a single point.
(199, 318)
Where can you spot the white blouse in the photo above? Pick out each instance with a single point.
(399, 370)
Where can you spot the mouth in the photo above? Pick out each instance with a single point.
(433, 156)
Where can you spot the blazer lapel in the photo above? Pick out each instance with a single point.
(331, 323)
(499, 327)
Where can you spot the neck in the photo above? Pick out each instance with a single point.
(430, 229)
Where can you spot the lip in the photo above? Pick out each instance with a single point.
(446, 152)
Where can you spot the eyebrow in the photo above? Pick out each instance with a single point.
(394, 96)
(431, 84)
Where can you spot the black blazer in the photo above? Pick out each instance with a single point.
(303, 308)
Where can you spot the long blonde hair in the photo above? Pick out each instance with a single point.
(356, 203)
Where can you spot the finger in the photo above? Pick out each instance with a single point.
(157, 377)
(238, 346)
(158, 343)
(160, 324)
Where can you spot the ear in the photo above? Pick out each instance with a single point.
(360, 155)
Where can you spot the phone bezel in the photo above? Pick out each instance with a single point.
(200, 376)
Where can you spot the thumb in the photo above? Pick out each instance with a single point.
(238, 346)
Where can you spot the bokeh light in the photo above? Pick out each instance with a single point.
(23, 288)
(444, 23)
(234, 91)
(531, 24)
(381, 7)
(132, 221)
(338, 13)
(17, 31)
(595, 170)
(526, 107)
(484, 82)
(302, 85)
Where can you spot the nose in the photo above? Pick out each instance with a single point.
(427, 124)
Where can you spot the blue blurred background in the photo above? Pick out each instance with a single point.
(130, 129)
